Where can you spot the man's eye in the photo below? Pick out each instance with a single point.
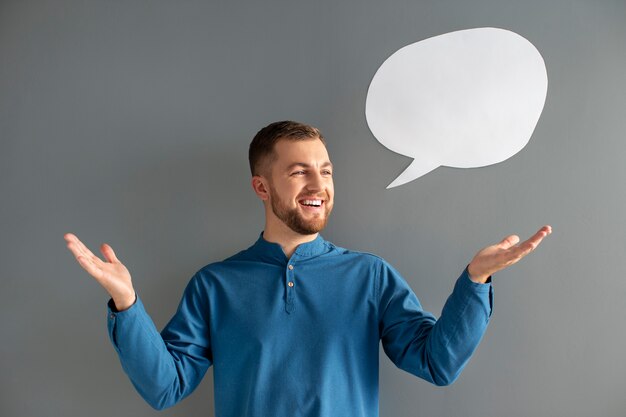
(298, 172)
(327, 172)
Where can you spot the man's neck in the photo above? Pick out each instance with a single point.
(287, 239)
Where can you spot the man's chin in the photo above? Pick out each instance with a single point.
(300, 221)
(309, 227)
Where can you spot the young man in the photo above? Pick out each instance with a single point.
(292, 325)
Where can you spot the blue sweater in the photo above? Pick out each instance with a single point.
(299, 336)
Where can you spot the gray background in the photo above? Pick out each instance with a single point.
(128, 122)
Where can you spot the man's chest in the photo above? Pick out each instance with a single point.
(278, 309)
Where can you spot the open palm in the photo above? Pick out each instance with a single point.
(504, 254)
(111, 273)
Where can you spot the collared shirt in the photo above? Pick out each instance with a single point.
(298, 336)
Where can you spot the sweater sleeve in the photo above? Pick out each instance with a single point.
(165, 367)
(434, 350)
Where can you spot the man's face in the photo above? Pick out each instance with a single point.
(301, 185)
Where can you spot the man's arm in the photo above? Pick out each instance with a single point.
(438, 350)
(166, 367)
(435, 350)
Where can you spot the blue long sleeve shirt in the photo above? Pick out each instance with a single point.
(298, 336)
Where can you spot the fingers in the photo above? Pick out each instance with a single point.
(77, 247)
(545, 230)
(508, 242)
(86, 259)
(90, 266)
(504, 254)
(108, 253)
(531, 244)
(536, 239)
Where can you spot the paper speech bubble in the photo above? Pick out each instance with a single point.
(463, 99)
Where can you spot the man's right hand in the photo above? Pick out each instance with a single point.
(112, 274)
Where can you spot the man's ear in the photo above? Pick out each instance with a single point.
(260, 187)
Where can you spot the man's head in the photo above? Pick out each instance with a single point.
(292, 174)
(262, 153)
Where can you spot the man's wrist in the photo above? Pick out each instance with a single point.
(124, 303)
(477, 278)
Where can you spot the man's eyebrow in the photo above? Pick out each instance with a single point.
(305, 165)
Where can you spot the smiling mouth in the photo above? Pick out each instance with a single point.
(311, 203)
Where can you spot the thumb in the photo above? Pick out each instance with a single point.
(108, 253)
(509, 241)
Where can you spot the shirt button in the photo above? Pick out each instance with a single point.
(290, 284)
(290, 267)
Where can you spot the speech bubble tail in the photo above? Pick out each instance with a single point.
(413, 172)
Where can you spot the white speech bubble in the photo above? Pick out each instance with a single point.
(463, 99)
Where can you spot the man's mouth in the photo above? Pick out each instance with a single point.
(311, 202)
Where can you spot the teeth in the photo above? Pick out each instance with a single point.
(312, 202)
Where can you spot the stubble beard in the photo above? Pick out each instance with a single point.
(293, 219)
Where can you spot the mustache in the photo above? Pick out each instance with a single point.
(323, 196)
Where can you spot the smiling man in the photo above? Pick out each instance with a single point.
(294, 179)
(293, 324)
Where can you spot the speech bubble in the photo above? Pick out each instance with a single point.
(463, 99)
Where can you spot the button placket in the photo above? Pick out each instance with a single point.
(289, 287)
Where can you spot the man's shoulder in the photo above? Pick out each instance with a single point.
(357, 255)
(226, 263)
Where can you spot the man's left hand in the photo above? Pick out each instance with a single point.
(502, 255)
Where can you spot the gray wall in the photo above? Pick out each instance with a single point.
(128, 122)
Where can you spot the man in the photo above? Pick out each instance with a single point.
(292, 325)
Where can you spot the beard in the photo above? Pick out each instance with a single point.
(293, 218)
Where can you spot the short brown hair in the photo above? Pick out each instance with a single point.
(262, 146)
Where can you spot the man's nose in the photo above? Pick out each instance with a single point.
(316, 182)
